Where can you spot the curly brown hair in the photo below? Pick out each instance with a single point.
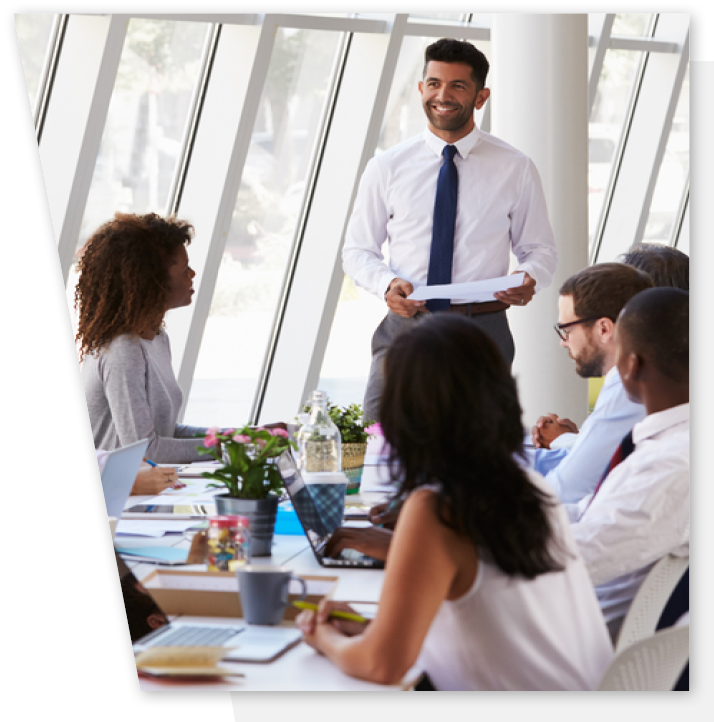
(123, 282)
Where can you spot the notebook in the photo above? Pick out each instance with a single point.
(247, 643)
(312, 525)
(119, 474)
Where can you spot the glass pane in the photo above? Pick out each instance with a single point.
(672, 173)
(439, 17)
(267, 210)
(607, 118)
(33, 35)
(347, 357)
(636, 24)
(147, 116)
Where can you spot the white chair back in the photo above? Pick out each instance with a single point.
(650, 600)
(650, 665)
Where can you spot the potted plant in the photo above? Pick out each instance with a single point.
(250, 475)
(354, 433)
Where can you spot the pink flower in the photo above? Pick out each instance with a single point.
(228, 432)
(374, 430)
(242, 439)
(278, 432)
(210, 441)
(213, 431)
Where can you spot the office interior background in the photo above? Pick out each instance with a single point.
(256, 128)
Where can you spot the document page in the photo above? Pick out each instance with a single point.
(474, 291)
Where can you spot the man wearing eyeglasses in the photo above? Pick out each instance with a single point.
(572, 461)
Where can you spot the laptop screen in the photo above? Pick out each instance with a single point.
(143, 614)
(303, 503)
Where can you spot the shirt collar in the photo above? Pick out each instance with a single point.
(660, 421)
(463, 146)
(611, 377)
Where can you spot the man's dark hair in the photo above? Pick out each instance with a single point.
(450, 414)
(666, 265)
(448, 50)
(655, 324)
(601, 291)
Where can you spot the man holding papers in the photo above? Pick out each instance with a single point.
(451, 203)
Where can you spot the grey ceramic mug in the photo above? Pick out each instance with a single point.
(264, 593)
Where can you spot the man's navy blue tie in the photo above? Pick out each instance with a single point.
(442, 236)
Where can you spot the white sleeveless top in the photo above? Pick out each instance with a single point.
(511, 633)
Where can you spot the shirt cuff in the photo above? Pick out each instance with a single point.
(528, 268)
(564, 441)
(384, 284)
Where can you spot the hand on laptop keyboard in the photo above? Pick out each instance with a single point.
(372, 541)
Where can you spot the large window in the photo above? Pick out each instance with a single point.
(673, 174)
(147, 117)
(33, 36)
(259, 242)
(607, 119)
(263, 227)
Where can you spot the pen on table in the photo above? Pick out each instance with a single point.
(338, 613)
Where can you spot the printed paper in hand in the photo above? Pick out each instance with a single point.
(475, 291)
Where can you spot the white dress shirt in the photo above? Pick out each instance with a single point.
(640, 513)
(577, 471)
(500, 206)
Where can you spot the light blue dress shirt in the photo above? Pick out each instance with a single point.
(574, 472)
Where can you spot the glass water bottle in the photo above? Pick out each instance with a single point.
(319, 440)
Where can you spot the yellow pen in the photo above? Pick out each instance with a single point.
(338, 613)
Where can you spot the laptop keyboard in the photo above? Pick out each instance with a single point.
(188, 635)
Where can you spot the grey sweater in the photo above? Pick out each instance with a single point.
(132, 394)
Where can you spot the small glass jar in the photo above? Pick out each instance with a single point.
(228, 543)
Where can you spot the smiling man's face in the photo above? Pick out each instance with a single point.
(449, 96)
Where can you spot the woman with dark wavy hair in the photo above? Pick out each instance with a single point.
(484, 587)
(133, 270)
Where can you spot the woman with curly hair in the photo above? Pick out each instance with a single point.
(133, 270)
(484, 587)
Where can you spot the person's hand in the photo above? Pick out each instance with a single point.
(314, 624)
(372, 541)
(152, 480)
(550, 427)
(396, 298)
(519, 295)
(382, 515)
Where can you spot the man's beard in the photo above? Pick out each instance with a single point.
(457, 121)
(590, 363)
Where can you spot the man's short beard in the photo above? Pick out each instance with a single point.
(591, 365)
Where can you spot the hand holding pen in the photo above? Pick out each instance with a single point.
(158, 478)
(338, 614)
(385, 514)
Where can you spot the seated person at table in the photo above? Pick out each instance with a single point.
(589, 304)
(667, 266)
(150, 480)
(484, 587)
(640, 510)
(132, 271)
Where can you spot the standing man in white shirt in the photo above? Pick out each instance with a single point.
(640, 510)
(451, 204)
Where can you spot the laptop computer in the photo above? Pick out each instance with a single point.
(314, 529)
(119, 474)
(149, 627)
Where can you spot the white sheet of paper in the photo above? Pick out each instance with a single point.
(132, 527)
(474, 291)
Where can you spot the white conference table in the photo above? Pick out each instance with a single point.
(300, 668)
